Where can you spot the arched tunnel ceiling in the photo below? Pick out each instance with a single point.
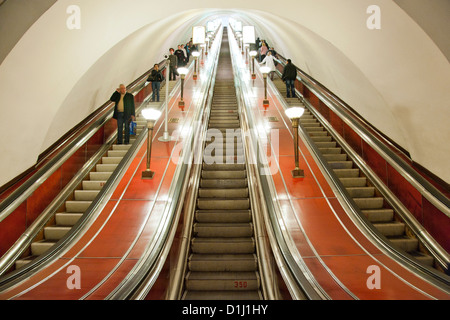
(66, 74)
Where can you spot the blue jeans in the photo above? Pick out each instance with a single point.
(121, 123)
(290, 88)
(156, 86)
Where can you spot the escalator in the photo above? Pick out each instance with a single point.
(82, 197)
(223, 263)
(368, 199)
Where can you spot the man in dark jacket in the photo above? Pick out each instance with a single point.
(173, 65)
(289, 76)
(124, 112)
(181, 57)
(156, 78)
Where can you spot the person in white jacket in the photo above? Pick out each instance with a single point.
(269, 62)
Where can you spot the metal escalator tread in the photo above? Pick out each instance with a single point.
(223, 264)
(77, 205)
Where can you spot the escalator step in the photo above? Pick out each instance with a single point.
(223, 167)
(224, 174)
(67, 219)
(222, 281)
(391, 229)
(56, 232)
(77, 206)
(223, 203)
(223, 216)
(222, 295)
(223, 193)
(223, 230)
(223, 263)
(361, 192)
(86, 195)
(224, 184)
(381, 215)
(369, 203)
(223, 245)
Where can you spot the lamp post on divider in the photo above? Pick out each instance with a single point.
(253, 54)
(151, 115)
(166, 137)
(239, 40)
(294, 114)
(246, 48)
(203, 54)
(199, 37)
(195, 54)
(183, 72)
(265, 71)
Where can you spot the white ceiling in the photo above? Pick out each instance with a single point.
(396, 77)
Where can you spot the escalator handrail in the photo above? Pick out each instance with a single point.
(27, 237)
(299, 280)
(432, 275)
(141, 279)
(174, 291)
(426, 189)
(72, 144)
(25, 240)
(40, 262)
(441, 256)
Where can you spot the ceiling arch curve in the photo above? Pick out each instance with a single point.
(68, 73)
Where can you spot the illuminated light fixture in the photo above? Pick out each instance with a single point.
(248, 34)
(195, 54)
(151, 115)
(210, 26)
(294, 114)
(253, 55)
(238, 26)
(198, 35)
(183, 72)
(265, 71)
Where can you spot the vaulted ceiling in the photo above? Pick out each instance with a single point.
(396, 77)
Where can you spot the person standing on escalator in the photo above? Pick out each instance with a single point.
(270, 63)
(124, 112)
(156, 78)
(181, 57)
(173, 65)
(289, 76)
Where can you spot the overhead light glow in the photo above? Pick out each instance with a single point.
(295, 112)
(151, 114)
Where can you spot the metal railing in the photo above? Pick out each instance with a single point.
(72, 144)
(298, 279)
(432, 246)
(141, 279)
(24, 241)
(428, 190)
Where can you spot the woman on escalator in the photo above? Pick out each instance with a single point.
(269, 62)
